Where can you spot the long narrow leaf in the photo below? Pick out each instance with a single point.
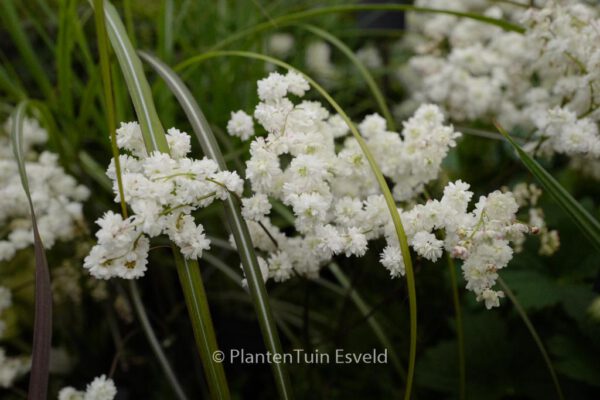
(64, 46)
(42, 325)
(155, 140)
(460, 335)
(19, 37)
(534, 335)
(151, 336)
(389, 199)
(138, 86)
(281, 21)
(195, 298)
(586, 222)
(108, 97)
(365, 310)
(237, 223)
(379, 98)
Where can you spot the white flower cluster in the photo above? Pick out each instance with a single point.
(10, 367)
(57, 198)
(480, 237)
(162, 190)
(309, 163)
(101, 388)
(545, 80)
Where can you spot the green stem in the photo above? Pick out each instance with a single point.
(391, 204)
(460, 335)
(108, 96)
(534, 335)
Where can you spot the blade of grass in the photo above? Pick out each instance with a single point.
(583, 219)
(129, 21)
(534, 335)
(42, 325)
(460, 336)
(15, 29)
(365, 310)
(108, 96)
(375, 91)
(155, 140)
(151, 336)
(403, 242)
(287, 19)
(63, 48)
(138, 86)
(237, 223)
(95, 171)
(204, 333)
(10, 86)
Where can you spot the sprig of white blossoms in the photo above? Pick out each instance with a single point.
(309, 163)
(11, 368)
(162, 190)
(101, 388)
(545, 80)
(57, 198)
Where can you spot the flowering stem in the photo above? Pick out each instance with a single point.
(402, 239)
(460, 336)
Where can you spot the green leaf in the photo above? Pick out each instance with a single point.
(534, 335)
(15, 29)
(237, 223)
(366, 310)
(153, 340)
(287, 19)
(155, 140)
(575, 360)
(137, 84)
(533, 289)
(584, 220)
(204, 333)
(108, 97)
(42, 326)
(63, 49)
